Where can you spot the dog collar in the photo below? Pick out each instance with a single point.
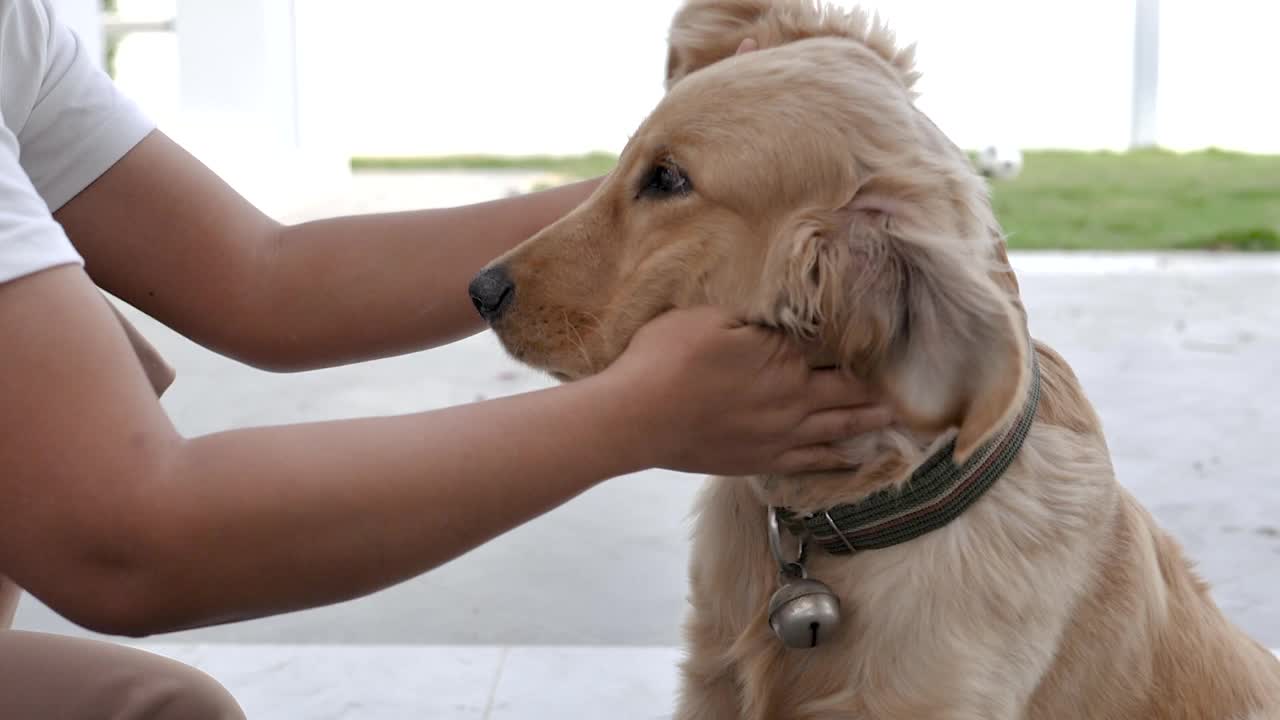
(937, 493)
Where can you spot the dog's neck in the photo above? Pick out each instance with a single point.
(878, 460)
(906, 485)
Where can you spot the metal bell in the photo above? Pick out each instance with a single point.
(803, 612)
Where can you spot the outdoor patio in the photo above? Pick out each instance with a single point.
(1177, 351)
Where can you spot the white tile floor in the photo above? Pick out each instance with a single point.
(421, 682)
(388, 682)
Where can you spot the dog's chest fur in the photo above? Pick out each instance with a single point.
(962, 622)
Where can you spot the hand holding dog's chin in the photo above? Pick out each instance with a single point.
(709, 394)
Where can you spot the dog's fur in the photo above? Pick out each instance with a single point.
(822, 202)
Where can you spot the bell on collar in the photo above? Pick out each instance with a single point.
(803, 612)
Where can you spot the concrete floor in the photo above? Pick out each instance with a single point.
(472, 682)
(1179, 355)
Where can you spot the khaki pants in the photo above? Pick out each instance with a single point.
(49, 677)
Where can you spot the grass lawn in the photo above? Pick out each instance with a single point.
(571, 166)
(1146, 200)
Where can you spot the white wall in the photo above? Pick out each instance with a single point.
(229, 88)
(398, 77)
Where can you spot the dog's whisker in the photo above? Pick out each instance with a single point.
(581, 344)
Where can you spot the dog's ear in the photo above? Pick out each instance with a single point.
(959, 357)
(674, 69)
(704, 32)
(913, 304)
(962, 359)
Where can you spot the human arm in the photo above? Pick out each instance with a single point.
(164, 233)
(122, 525)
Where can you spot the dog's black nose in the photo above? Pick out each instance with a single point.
(492, 292)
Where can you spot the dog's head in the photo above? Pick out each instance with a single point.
(799, 186)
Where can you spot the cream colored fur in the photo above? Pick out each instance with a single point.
(824, 203)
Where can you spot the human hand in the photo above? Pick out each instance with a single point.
(717, 396)
(747, 45)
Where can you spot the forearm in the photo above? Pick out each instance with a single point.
(356, 288)
(256, 522)
(162, 232)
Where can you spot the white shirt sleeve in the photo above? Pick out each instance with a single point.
(64, 125)
(80, 124)
(30, 239)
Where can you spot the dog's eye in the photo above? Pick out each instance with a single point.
(666, 180)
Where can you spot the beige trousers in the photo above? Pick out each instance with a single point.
(49, 677)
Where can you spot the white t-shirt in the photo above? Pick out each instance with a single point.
(64, 125)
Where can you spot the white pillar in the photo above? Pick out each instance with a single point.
(240, 102)
(1146, 72)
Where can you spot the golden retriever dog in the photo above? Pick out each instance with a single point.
(800, 186)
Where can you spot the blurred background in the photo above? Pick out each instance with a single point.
(402, 78)
(1133, 148)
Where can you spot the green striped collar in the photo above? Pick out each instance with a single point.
(938, 491)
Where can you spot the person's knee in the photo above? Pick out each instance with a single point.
(204, 698)
(186, 694)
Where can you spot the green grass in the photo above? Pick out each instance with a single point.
(1144, 200)
(573, 166)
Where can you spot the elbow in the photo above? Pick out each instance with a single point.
(121, 565)
(117, 606)
(268, 349)
(136, 603)
(116, 624)
(255, 339)
(271, 359)
(257, 320)
(122, 582)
